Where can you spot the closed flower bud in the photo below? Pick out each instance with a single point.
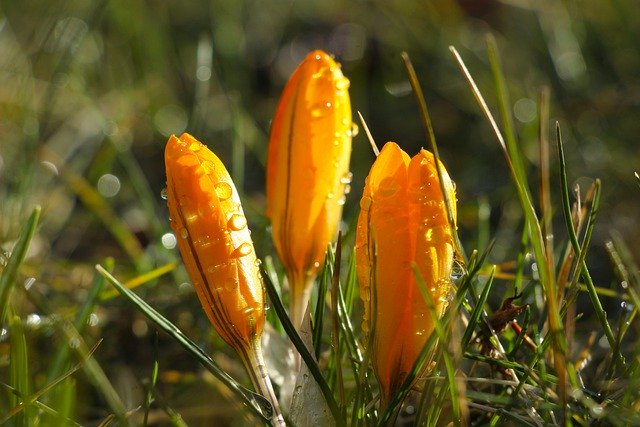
(218, 253)
(214, 240)
(308, 170)
(403, 221)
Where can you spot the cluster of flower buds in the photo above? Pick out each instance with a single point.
(403, 225)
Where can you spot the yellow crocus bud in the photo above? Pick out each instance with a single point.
(403, 221)
(217, 250)
(308, 169)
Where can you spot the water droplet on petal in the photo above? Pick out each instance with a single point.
(320, 109)
(230, 283)
(237, 222)
(163, 193)
(208, 167)
(242, 250)
(184, 233)
(365, 203)
(346, 178)
(342, 83)
(353, 131)
(223, 190)
(195, 146)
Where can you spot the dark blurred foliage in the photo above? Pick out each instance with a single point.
(96, 87)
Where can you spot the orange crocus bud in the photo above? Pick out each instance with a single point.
(217, 250)
(403, 221)
(308, 170)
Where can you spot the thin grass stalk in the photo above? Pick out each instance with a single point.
(335, 332)
(154, 378)
(318, 317)
(477, 311)
(546, 207)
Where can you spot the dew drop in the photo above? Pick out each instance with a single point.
(184, 233)
(257, 262)
(346, 121)
(230, 283)
(320, 109)
(366, 295)
(365, 203)
(388, 187)
(346, 178)
(347, 189)
(208, 167)
(330, 196)
(237, 222)
(242, 250)
(342, 200)
(353, 131)
(342, 83)
(248, 311)
(195, 146)
(163, 193)
(223, 190)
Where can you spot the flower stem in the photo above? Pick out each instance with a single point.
(257, 370)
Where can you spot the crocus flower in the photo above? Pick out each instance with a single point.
(308, 169)
(217, 250)
(402, 222)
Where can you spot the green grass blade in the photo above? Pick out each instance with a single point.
(10, 273)
(259, 405)
(19, 371)
(566, 207)
(477, 312)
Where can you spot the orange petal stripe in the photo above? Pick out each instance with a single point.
(402, 220)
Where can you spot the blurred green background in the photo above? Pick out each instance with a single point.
(90, 91)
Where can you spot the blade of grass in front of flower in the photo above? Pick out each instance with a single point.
(566, 205)
(628, 281)
(258, 404)
(335, 323)
(318, 317)
(314, 369)
(10, 271)
(460, 415)
(433, 147)
(19, 372)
